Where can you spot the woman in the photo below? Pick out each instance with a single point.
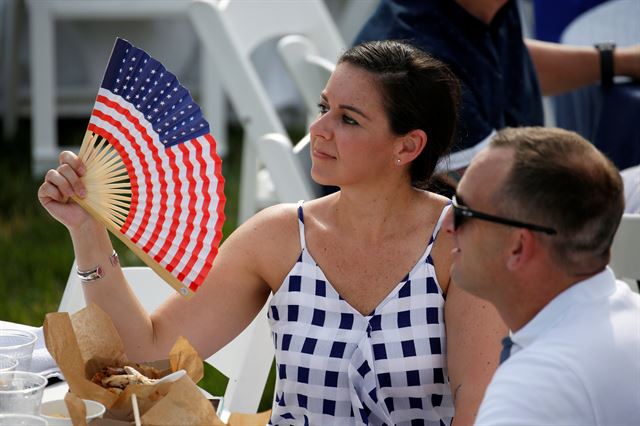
(359, 277)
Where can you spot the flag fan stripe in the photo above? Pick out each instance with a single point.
(155, 177)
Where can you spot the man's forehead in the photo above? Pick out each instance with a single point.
(490, 154)
(486, 172)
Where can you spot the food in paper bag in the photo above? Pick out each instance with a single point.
(85, 343)
(116, 379)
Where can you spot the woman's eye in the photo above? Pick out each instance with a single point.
(322, 108)
(349, 120)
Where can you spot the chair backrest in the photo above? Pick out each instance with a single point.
(291, 177)
(309, 71)
(625, 252)
(246, 360)
(231, 30)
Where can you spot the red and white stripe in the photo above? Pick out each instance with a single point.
(177, 206)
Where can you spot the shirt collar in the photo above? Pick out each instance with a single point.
(597, 286)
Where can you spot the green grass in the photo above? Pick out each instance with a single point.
(36, 252)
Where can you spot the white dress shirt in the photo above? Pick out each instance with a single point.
(577, 362)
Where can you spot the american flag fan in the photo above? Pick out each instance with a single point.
(153, 176)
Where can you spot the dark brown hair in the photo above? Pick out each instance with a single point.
(558, 179)
(419, 92)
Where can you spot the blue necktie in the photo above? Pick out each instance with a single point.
(506, 349)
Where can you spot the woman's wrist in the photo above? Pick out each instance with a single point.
(91, 244)
(87, 229)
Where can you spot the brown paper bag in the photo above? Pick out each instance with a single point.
(85, 342)
(240, 419)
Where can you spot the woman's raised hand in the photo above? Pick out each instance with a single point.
(60, 184)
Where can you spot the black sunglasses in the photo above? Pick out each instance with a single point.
(462, 213)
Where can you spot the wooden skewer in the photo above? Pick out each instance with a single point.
(136, 410)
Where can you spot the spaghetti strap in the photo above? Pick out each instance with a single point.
(440, 220)
(301, 224)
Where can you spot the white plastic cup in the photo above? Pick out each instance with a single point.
(21, 392)
(57, 414)
(7, 363)
(18, 344)
(21, 420)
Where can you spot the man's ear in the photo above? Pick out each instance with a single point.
(410, 145)
(522, 247)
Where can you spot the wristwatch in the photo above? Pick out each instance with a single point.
(606, 62)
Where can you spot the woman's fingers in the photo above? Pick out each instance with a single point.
(61, 184)
(64, 181)
(49, 191)
(70, 158)
(73, 180)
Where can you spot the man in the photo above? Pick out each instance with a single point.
(533, 221)
(503, 76)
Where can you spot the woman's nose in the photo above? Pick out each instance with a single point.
(320, 126)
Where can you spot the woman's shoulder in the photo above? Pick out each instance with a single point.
(270, 238)
(433, 207)
(437, 200)
(279, 219)
(282, 220)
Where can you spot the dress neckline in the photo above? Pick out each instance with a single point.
(393, 292)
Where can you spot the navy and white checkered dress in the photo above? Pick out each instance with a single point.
(336, 366)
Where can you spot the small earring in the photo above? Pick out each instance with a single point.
(398, 161)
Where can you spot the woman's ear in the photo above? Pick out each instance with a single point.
(410, 145)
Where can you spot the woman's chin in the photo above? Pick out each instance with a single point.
(321, 179)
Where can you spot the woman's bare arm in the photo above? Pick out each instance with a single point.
(248, 265)
(474, 332)
(251, 263)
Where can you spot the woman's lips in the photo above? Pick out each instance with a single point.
(322, 155)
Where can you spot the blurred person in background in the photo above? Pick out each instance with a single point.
(503, 75)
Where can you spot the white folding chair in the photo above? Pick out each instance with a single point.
(231, 30)
(46, 102)
(291, 165)
(246, 360)
(309, 71)
(625, 252)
